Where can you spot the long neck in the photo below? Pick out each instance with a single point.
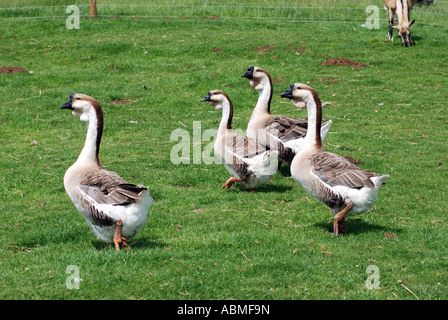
(89, 153)
(227, 115)
(314, 110)
(264, 96)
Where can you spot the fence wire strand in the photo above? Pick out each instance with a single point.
(432, 15)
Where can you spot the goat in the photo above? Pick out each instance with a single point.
(402, 9)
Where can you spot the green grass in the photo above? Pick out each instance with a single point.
(200, 241)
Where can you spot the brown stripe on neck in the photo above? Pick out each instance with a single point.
(229, 119)
(99, 134)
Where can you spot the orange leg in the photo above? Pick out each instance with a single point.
(339, 220)
(230, 182)
(119, 241)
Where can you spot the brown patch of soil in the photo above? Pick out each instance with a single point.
(328, 80)
(216, 49)
(343, 62)
(117, 102)
(11, 70)
(278, 79)
(264, 48)
(390, 235)
(300, 50)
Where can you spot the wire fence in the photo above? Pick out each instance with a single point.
(435, 14)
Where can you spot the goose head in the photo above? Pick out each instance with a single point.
(298, 94)
(216, 98)
(83, 106)
(257, 77)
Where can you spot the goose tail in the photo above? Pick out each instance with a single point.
(325, 128)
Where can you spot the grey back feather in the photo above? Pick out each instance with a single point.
(335, 170)
(244, 147)
(107, 187)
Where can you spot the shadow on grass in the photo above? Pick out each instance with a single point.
(262, 189)
(285, 170)
(358, 226)
(140, 243)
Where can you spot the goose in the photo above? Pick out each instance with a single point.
(246, 160)
(332, 179)
(114, 209)
(276, 132)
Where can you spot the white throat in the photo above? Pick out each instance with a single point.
(89, 151)
(226, 117)
(311, 132)
(264, 95)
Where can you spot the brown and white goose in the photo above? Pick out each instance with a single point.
(246, 160)
(332, 179)
(114, 209)
(276, 132)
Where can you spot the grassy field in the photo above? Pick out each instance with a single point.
(200, 241)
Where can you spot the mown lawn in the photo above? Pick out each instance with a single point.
(203, 242)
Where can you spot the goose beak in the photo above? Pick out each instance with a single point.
(67, 105)
(207, 97)
(287, 94)
(249, 74)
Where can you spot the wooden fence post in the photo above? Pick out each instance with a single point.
(93, 8)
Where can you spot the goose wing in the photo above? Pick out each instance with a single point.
(282, 129)
(107, 187)
(244, 147)
(286, 128)
(335, 170)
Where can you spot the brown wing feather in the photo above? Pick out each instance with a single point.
(338, 171)
(240, 167)
(244, 147)
(108, 187)
(286, 128)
